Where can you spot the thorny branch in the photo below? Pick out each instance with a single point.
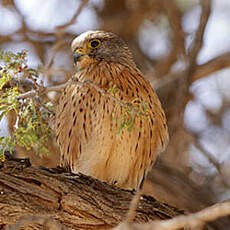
(42, 90)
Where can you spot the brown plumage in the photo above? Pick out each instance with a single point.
(88, 122)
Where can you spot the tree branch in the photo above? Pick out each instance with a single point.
(218, 63)
(196, 46)
(74, 17)
(30, 196)
(190, 221)
(43, 90)
(193, 51)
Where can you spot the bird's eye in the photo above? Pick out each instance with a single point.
(95, 43)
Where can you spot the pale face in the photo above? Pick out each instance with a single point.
(99, 46)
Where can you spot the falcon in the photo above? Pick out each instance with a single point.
(91, 126)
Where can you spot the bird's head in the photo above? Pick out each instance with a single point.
(96, 46)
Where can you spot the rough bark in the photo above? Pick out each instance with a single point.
(32, 198)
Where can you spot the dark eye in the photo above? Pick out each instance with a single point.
(95, 43)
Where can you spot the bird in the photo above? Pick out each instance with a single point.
(115, 131)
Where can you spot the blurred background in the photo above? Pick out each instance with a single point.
(194, 171)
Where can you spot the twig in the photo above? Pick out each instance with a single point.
(60, 32)
(76, 14)
(105, 93)
(174, 15)
(38, 101)
(197, 44)
(193, 220)
(211, 159)
(133, 206)
(193, 51)
(28, 94)
(43, 90)
(56, 47)
(218, 63)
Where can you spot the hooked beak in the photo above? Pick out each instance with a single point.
(78, 54)
(76, 57)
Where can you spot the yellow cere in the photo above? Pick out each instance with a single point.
(81, 51)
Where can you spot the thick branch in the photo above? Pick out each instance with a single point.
(69, 200)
